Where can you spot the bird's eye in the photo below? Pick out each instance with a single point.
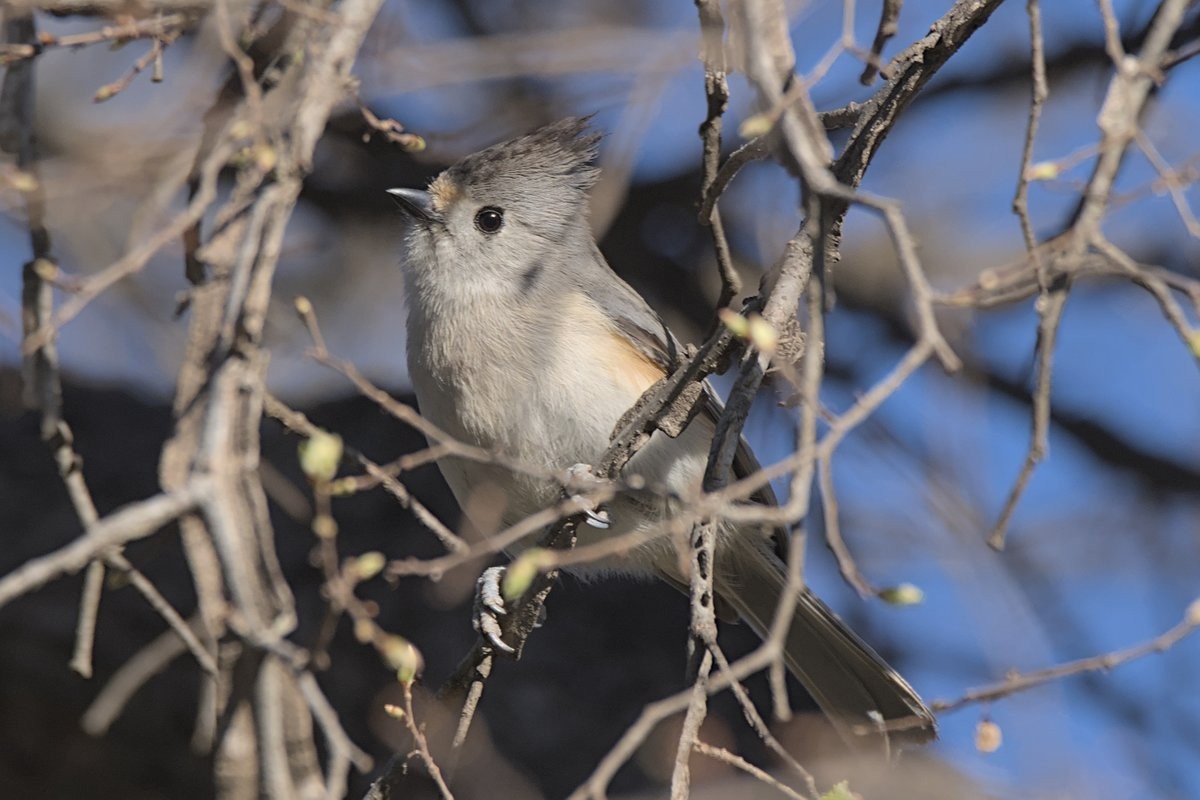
(489, 219)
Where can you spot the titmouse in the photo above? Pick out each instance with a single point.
(523, 341)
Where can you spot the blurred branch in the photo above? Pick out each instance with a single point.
(152, 56)
(759, 725)
(1016, 682)
(889, 19)
(769, 62)
(587, 49)
(40, 370)
(264, 739)
(422, 744)
(135, 521)
(702, 632)
(343, 752)
(111, 8)
(596, 785)
(391, 129)
(734, 760)
(1119, 115)
(1174, 182)
(910, 71)
(1071, 54)
(716, 89)
(160, 27)
(297, 422)
(129, 677)
(1050, 307)
(42, 377)
(1052, 268)
(1038, 93)
(1157, 472)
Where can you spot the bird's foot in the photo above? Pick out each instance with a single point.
(489, 608)
(596, 516)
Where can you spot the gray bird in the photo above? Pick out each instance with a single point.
(522, 341)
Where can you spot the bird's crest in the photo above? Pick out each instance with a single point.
(552, 158)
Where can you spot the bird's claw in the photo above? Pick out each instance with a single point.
(489, 607)
(596, 516)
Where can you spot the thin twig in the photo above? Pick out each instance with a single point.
(889, 19)
(1016, 682)
(295, 421)
(343, 752)
(1038, 93)
(723, 755)
(42, 377)
(1112, 33)
(716, 90)
(134, 521)
(1157, 285)
(418, 734)
(596, 784)
(751, 151)
(1050, 312)
(151, 27)
(696, 710)
(151, 56)
(182, 629)
(759, 725)
(1170, 180)
(128, 679)
(833, 532)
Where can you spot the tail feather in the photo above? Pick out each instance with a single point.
(848, 680)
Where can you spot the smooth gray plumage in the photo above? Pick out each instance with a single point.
(522, 340)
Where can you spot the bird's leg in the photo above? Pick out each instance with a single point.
(489, 597)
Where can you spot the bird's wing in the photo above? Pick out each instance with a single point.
(646, 331)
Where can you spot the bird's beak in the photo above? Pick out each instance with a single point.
(417, 203)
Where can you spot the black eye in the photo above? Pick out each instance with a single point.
(489, 219)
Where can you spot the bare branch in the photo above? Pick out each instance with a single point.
(111, 8)
(1016, 682)
(889, 18)
(723, 755)
(1122, 107)
(696, 710)
(125, 682)
(422, 743)
(716, 89)
(343, 752)
(135, 521)
(295, 421)
(1039, 93)
(1050, 312)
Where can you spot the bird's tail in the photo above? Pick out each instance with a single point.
(849, 681)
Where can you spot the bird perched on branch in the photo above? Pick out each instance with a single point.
(522, 341)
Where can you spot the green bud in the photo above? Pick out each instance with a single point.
(320, 455)
(904, 594)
